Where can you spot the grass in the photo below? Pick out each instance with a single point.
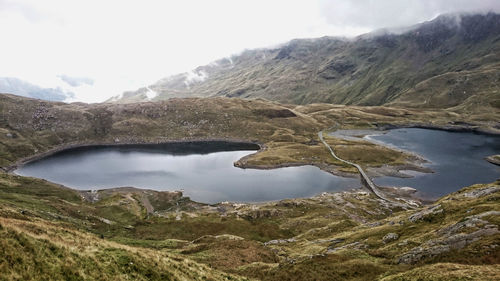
(48, 230)
(448, 272)
(51, 230)
(369, 154)
(54, 252)
(287, 139)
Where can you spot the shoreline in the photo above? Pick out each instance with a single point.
(407, 193)
(493, 159)
(468, 128)
(416, 165)
(76, 145)
(240, 163)
(379, 127)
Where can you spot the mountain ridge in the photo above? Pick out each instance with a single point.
(429, 65)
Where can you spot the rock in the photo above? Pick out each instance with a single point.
(331, 241)
(390, 237)
(455, 228)
(482, 192)
(354, 245)
(468, 222)
(408, 189)
(106, 221)
(485, 214)
(436, 247)
(257, 214)
(336, 241)
(426, 213)
(280, 241)
(494, 159)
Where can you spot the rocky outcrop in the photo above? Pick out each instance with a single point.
(436, 247)
(280, 241)
(257, 214)
(493, 159)
(453, 237)
(426, 213)
(468, 222)
(476, 193)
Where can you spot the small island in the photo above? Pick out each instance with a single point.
(494, 159)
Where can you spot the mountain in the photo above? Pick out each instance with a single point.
(22, 88)
(452, 61)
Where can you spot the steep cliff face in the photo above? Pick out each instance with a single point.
(442, 63)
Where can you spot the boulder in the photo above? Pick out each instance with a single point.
(390, 237)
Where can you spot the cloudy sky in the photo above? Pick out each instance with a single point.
(98, 49)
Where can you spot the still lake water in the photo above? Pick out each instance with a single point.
(456, 157)
(204, 171)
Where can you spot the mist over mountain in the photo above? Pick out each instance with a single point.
(22, 88)
(451, 61)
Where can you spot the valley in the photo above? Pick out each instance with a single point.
(341, 235)
(372, 157)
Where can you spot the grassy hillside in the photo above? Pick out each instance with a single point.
(51, 232)
(287, 133)
(48, 231)
(44, 236)
(449, 62)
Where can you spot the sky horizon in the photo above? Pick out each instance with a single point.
(98, 49)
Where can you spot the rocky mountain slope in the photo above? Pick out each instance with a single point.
(452, 61)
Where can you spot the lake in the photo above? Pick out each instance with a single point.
(204, 170)
(456, 157)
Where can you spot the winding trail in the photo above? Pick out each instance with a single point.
(365, 180)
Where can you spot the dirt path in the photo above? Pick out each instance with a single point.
(145, 202)
(365, 180)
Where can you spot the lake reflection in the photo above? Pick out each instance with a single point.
(204, 170)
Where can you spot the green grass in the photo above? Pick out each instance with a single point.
(47, 230)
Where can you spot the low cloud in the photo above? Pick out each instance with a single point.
(371, 14)
(76, 81)
(11, 85)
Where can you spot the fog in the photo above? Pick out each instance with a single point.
(98, 49)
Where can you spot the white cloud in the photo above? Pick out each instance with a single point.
(124, 45)
(374, 14)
